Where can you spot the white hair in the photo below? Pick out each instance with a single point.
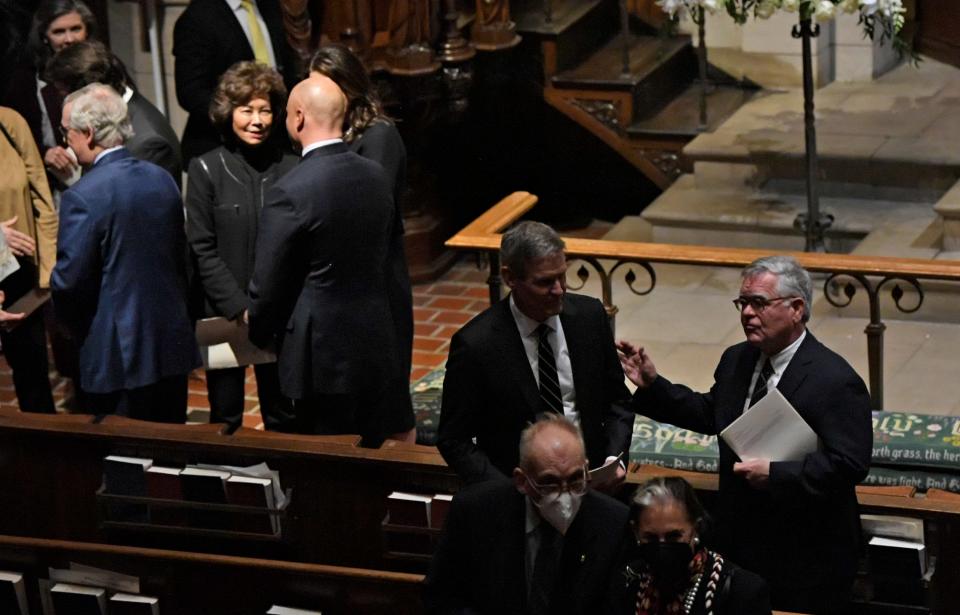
(98, 108)
(792, 279)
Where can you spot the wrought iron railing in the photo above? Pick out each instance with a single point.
(844, 273)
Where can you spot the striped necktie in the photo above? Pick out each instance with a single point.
(551, 400)
(760, 387)
(260, 52)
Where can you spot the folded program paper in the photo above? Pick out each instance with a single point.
(606, 472)
(225, 343)
(771, 429)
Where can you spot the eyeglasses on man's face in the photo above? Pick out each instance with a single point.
(577, 484)
(757, 302)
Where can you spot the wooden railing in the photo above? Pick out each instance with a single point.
(844, 272)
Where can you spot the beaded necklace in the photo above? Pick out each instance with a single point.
(648, 597)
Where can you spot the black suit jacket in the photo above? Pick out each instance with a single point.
(490, 393)
(479, 563)
(153, 139)
(804, 530)
(207, 40)
(319, 279)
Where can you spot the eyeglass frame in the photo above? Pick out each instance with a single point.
(64, 131)
(753, 301)
(564, 485)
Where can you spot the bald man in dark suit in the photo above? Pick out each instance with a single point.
(323, 299)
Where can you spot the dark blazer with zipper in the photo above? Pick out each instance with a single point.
(804, 529)
(479, 564)
(490, 393)
(225, 196)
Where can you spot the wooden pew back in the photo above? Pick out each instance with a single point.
(204, 584)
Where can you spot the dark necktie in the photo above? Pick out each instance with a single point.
(760, 388)
(545, 569)
(551, 399)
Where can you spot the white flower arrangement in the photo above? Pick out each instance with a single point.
(885, 16)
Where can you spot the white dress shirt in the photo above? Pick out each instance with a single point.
(531, 343)
(318, 145)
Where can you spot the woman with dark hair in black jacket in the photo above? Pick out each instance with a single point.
(225, 193)
(672, 571)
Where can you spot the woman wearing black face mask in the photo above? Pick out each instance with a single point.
(672, 572)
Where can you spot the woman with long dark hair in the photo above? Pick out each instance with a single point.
(369, 132)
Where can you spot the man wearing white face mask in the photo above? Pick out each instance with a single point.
(543, 543)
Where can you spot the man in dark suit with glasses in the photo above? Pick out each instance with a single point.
(795, 523)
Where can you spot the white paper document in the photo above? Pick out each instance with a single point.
(771, 429)
(606, 472)
(225, 343)
(8, 262)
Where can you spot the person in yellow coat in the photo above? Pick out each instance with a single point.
(29, 224)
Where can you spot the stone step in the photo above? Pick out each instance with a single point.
(660, 69)
(855, 144)
(737, 215)
(681, 115)
(756, 176)
(577, 28)
(707, 210)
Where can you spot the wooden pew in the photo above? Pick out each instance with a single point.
(51, 468)
(204, 584)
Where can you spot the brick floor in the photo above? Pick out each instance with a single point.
(442, 306)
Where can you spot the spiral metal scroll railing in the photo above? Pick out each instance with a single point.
(843, 272)
(840, 295)
(606, 280)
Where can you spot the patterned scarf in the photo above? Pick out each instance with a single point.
(649, 600)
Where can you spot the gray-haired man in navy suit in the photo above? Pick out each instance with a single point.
(119, 284)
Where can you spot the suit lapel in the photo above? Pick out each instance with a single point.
(577, 558)
(513, 357)
(799, 367)
(577, 343)
(228, 19)
(746, 363)
(514, 553)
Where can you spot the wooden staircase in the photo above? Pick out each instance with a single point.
(646, 114)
